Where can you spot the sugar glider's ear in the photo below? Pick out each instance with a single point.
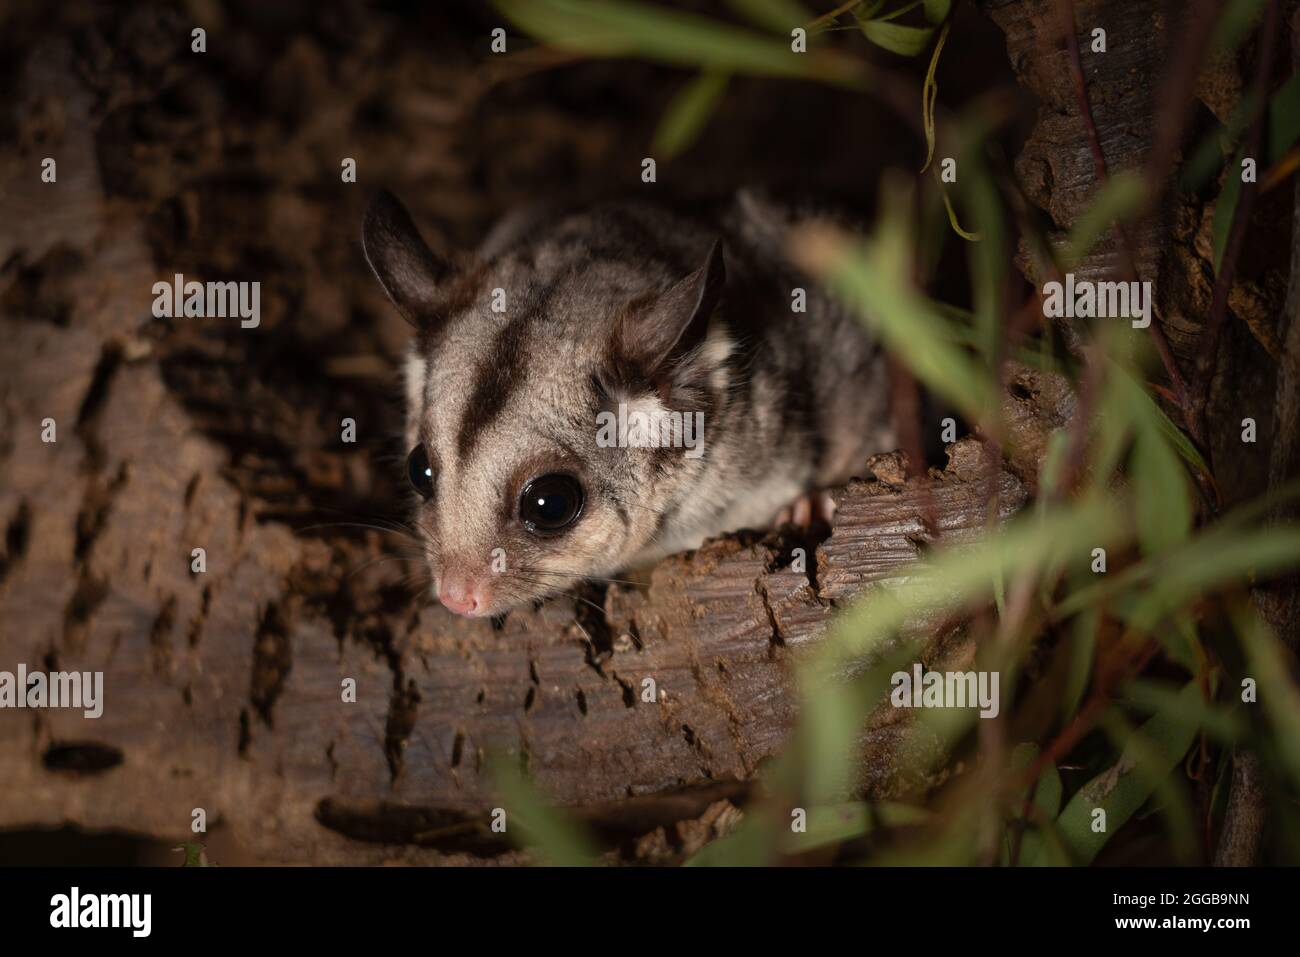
(401, 260)
(649, 332)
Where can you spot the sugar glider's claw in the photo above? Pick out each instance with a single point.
(814, 508)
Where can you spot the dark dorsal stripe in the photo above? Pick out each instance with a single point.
(497, 378)
(627, 239)
(494, 382)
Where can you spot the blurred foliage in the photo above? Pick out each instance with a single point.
(533, 823)
(195, 855)
(1146, 660)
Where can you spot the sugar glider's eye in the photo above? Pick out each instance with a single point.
(420, 472)
(550, 503)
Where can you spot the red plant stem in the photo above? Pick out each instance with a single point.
(1084, 721)
(905, 408)
(1122, 239)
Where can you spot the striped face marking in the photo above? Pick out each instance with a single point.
(504, 384)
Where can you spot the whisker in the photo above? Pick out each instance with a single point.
(594, 578)
(389, 520)
(591, 641)
(380, 560)
(366, 525)
(567, 594)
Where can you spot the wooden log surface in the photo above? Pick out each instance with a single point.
(223, 689)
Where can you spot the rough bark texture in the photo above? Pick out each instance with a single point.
(1254, 373)
(1173, 247)
(223, 689)
(1278, 602)
(1055, 167)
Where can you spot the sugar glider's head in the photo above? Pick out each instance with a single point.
(556, 394)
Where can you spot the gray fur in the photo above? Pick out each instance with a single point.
(792, 402)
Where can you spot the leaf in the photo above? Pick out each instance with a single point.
(1122, 789)
(1083, 649)
(1121, 195)
(1181, 641)
(1162, 495)
(688, 114)
(669, 36)
(1207, 564)
(930, 96)
(1270, 666)
(194, 855)
(836, 824)
(1046, 802)
(865, 14)
(750, 845)
(1283, 129)
(779, 16)
(1155, 697)
(1204, 161)
(1111, 434)
(1168, 800)
(1225, 208)
(826, 825)
(936, 11)
(956, 226)
(1284, 118)
(826, 734)
(873, 278)
(1234, 23)
(1178, 438)
(530, 820)
(1053, 464)
(990, 256)
(1163, 503)
(954, 578)
(897, 37)
(1048, 791)
(1220, 555)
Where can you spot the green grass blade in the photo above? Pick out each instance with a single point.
(873, 278)
(688, 114)
(936, 11)
(531, 821)
(897, 37)
(1121, 195)
(669, 36)
(779, 16)
(1126, 786)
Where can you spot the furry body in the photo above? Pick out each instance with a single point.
(621, 303)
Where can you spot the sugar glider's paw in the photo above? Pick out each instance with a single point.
(815, 509)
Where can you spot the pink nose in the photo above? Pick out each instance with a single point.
(462, 595)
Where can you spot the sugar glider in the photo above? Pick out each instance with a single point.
(538, 361)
